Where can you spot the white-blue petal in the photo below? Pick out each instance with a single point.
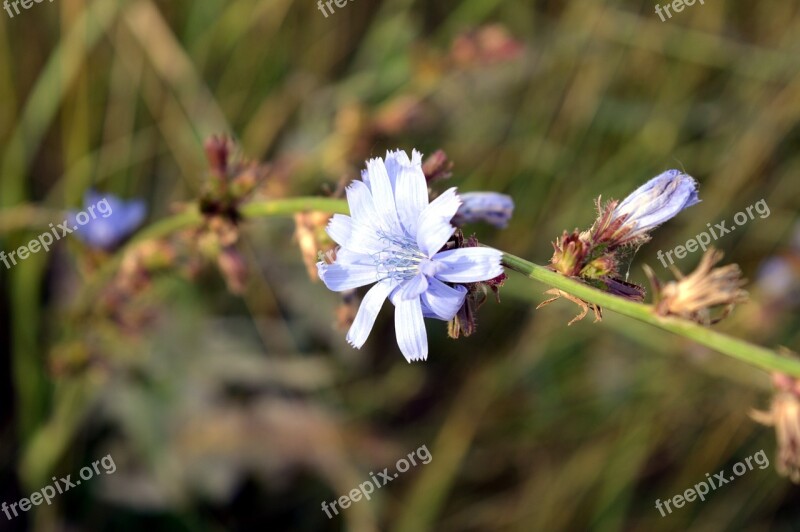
(434, 227)
(359, 199)
(346, 256)
(443, 301)
(368, 312)
(339, 228)
(411, 192)
(394, 161)
(356, 237)
(410, 329)
(469, 265)
(413, 287)
(341, 277)
(383, 195)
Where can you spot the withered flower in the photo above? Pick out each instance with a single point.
(784, 415)
(694, 296)
(437, 166)
(312, 238)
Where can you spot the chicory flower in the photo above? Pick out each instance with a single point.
(109, 220)
(393, 238)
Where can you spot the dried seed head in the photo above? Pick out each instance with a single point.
(695, 295)
(784, 415)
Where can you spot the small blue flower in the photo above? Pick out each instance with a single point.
(657, 201)
(393, 238)
(489, 207)
(106, 220)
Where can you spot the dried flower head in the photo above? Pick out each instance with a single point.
(695, 296)
(312, 238)
(784, 415)
(486, 45)
(594, 256)
(465, 322)
(437, 167)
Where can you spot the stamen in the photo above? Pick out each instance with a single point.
(400, 260)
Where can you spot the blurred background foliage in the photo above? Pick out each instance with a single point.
(236, 413)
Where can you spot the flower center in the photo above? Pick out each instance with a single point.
(401, 259)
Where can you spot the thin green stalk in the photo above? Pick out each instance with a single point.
(727, 345)
(752, 354)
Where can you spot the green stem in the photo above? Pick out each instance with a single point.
(752, 354)
(733, 347)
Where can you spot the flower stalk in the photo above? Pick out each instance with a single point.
(752, 354)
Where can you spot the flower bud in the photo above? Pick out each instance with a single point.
(655, 202)
(490, 207)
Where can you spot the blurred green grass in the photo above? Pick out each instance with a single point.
(531, 425)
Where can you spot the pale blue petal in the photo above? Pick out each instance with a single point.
(658, 200)
(413, 287)
(411, 192)
(434, 223)
(339, 228)
(368, 312)
(489, 207)
(442, 301)
(469, 265)
(359, 199)
(356, 237)
(383, 195)
(394, 161)
(110, 219)
(410, 329)
(341, 277)
(346, 256)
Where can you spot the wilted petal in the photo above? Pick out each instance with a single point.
(469, 265)
(340, 277)
(434, 227)
(368, 312)
(410, 329)
(442, 301)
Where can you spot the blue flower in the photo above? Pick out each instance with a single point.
(657, 201)
(106, 220)
(489, 207)
(393, 238)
